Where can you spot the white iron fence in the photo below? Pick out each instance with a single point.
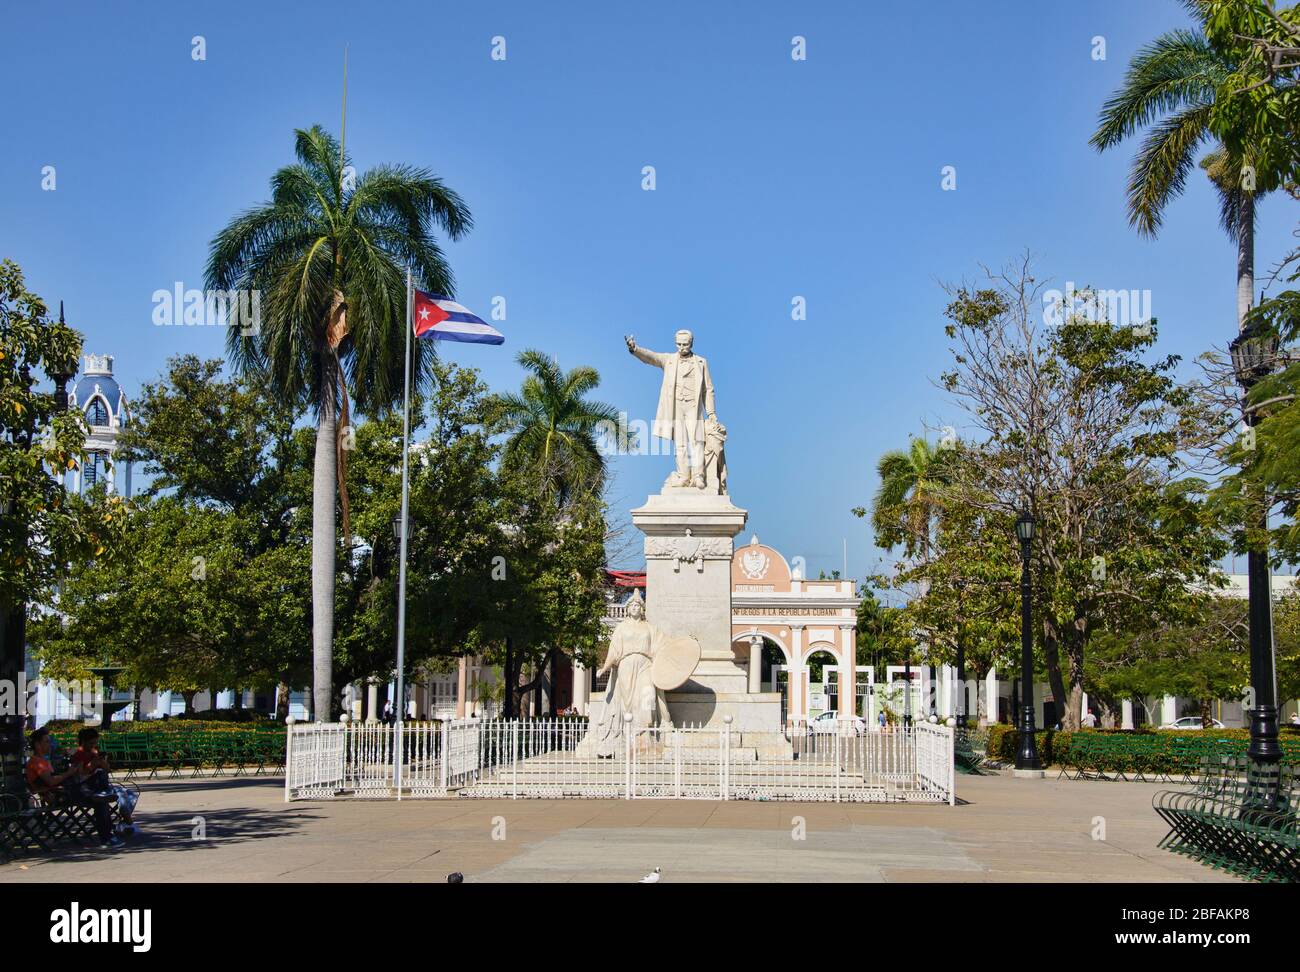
(552, 758)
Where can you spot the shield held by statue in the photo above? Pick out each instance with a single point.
(675, 661)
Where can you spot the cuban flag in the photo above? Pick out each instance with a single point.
(442, 319)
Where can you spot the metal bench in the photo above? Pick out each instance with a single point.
(1240, 817)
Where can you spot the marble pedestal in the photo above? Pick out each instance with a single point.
(688, 546)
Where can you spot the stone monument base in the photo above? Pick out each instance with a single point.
(688, 548)
(755, 721)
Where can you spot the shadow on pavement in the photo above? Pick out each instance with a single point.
(183, 830)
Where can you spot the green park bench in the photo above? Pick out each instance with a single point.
(37, 822)
(251, 751)
(966, 757)
(1236, 818)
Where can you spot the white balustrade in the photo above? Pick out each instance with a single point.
(824, 761)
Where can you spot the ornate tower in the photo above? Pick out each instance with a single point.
(107, 412)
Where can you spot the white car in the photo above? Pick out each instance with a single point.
(1192, 722)
(831, 722)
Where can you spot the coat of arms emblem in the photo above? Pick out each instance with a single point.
(754, 562)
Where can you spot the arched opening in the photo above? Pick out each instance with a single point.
(97, 414)
(774, 663)
(823, 680)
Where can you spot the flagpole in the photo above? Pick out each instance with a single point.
(400, 708)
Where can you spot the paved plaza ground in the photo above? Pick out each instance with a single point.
(1003, 829)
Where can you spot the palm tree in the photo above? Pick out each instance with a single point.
(552, 430)
(909, 497)
(1170, 91)
(329, 254)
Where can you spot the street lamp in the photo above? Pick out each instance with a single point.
(907, 686)
(1254, 352)
(961, 678)
(61, 374)
(397, 529)
(1027, 753)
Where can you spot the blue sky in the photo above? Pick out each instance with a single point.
(775, 179)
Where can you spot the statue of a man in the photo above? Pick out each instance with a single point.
(686, 390)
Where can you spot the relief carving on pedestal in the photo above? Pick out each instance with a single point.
(688, 549)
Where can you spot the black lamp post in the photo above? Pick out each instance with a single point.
(907, 687)
(1027, 752)
(1253, 355)
(961, 679)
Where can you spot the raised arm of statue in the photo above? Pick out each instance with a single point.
(645, 354)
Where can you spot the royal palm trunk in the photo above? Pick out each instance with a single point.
(1245, 258)
(324, 486)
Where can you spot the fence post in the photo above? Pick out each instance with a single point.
(395, 764)
(288, 757)
(952, 769)
(445, 732)
(677, 763)
(726, 756)
(835, 757)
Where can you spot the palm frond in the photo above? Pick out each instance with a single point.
(1162, 164)
(1178, 70)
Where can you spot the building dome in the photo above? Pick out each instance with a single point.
(98, 394)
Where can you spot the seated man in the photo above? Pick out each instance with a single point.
(95, 774)
(50, 787)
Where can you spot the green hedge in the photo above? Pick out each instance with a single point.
(1162, 750)
(153, 746)
(62, 726)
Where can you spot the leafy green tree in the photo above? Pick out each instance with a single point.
(189, 609)
(552, 429)
(328, 256)
(39, 444)
(1286, 643)
(1257, 107)
(212, 588)
(882, 638)
(1263, 468)
(456, 553)
(971, 587)
(551, 598)
(1206, 659)
(43, 528)
(1082, 426)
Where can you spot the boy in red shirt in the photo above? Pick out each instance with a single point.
(94, 766)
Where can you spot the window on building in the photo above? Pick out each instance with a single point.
(98, 414)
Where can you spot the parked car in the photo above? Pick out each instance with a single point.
(1192, 722)
(830, 722)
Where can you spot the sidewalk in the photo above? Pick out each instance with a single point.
(1002, 830)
